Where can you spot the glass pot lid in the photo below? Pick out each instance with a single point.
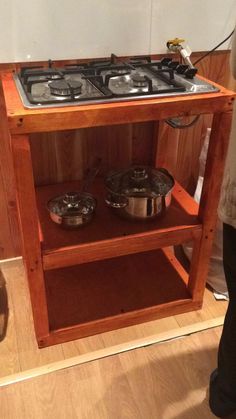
(140, 181)
(72, 204)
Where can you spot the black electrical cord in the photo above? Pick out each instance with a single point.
(212, 50)
(175, 122)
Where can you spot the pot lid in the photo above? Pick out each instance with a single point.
(140, 180)
(72, 204)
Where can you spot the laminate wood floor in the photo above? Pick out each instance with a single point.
(19, 351)
(162, 381)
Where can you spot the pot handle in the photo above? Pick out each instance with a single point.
(114, 204)
(163, 170)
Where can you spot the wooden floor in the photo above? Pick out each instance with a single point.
(162, 381)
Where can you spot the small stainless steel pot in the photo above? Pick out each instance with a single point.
(139, 192)
(73, 209)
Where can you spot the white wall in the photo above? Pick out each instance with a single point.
(32, 30)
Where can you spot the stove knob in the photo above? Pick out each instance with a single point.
(181, 68)
(173, 64)
(166, 61)
(190, 72)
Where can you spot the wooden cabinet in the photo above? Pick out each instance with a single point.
(112, 273)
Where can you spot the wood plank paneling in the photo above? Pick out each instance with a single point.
(179, 150)
(66, 155)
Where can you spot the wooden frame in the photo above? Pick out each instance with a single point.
(47, 265)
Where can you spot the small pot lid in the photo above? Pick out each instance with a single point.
(140, 181)
(72, 204)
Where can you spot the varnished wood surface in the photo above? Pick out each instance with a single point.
(115, 293)
(217, 153)
(29, 228)
(220, 104)
(46, 333)
(179, 150)
(19, 351)
(66, 155)
(198, 270)
(161, 381)
(109, 235)
(9, 228)
(22, 120)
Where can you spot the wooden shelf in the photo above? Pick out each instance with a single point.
(109, 235)
(100, 296)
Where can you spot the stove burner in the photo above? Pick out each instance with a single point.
(65, 88)
(139, 81)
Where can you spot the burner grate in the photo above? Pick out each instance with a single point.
(109, 80)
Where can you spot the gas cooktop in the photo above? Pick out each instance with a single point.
(110, 80)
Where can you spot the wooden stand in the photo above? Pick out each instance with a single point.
(112, 273)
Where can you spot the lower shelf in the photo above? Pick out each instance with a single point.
(100, 296)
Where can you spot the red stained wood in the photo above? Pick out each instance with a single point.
(65, 155)
(29, 229)
(8, 211)
(23, 120)
(217, 152)
(89, 298)
(108, 235)
(116, 292)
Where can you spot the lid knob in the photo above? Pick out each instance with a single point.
(139, 173)
(71, 198)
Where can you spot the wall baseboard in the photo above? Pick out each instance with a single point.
(111, 351)
(10, 260)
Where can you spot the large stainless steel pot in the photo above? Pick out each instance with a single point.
(139, 192)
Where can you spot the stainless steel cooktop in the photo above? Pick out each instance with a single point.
(111, 80)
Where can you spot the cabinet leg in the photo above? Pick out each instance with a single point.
(26, 202)
(209, 203)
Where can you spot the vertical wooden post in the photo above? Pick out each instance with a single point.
(217, 152)
(30, 232)
(10, 244)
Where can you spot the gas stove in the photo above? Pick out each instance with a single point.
(111, 80)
